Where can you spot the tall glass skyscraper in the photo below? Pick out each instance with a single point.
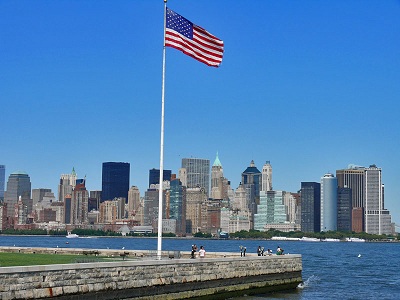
(2, 181)
(177, 205)
(310, 206)
(251, 180)
(18, 184)
(154, 176)
(329, 207)
(197, 173)
(115, 180)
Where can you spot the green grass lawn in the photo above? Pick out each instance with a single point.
(29, 259)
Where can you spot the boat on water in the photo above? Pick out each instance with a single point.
(309, 239)
(330, 240)
(354, 239)
(71, 235)
(284, 238)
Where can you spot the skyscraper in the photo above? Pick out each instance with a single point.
(18, 184)
(267, 177)
(377, 218)
(2, 181)
(329, 203)
(66, 185)
(177, 205)
(115, 180)
(134, 204)
(217, 176)
(310, 206)
(271, 210)
(344, 215)
(197, 173)
(154, 176)
(251, 180)
(354, 178)
(79, 204)
(368, 206)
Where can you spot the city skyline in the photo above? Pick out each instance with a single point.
(311, 87)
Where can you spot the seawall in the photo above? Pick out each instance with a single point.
(212, 278)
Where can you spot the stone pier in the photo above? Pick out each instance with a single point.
(215, 277)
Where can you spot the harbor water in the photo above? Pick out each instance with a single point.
(331, 270)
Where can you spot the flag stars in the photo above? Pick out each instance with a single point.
(179, 24)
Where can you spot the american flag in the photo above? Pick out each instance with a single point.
(193, 40)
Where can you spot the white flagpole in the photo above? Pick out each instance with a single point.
(160, 189)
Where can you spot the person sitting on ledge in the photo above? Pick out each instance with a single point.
(279, 251)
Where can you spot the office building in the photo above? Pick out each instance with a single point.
(66, 185)
(266, 177)
(115, 180)
(79, 204)
(177, 205)
(94, 200)
(270, 211)
(329, 213)
(196, 210)
(217, 179)
(251, 180)
(38, 195)
(18, 185)
(197, 173)
(344, 207)
(377, 218)
(2, 181)
(310, 206)
(150, 207)
(154, 176)
(368, 212)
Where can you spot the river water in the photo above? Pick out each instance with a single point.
(331, 270)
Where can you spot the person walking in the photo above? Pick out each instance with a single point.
(194, 249)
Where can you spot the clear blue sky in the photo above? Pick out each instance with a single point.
(311, 86)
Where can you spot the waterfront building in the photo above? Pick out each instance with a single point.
(2, 181)
(239, 220)
(94, 200)
(310, 206)
(18, 185)
(240, 200)
(150, 207)
(154, 176)
(176, 198)
(197, 173)
(182, 175)
(271, 210)
(368, 212)
(67, 209)
(251, 180)
(217, 179)
(58, 207)
(20, 213)
(354, 178)
(266, 177)
(115, 180)
(3, 217)
(344, 206)
(66, 185)
(112, 210)
(79, 204)
(377, 218)
(38, 195)
(196, 210)
(329, 213)
(292, 206)
(134, 204)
